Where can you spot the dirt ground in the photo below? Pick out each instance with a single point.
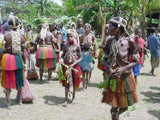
(50, 96)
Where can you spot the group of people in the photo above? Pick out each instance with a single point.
(120, 56)
(44, 52)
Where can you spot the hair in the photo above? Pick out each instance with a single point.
(87, 24)
(29, 25)
(86, 46)
(13, 21)
(116, 25)
(138, 29)
(54, 24)
(72, 25)
(153, 29)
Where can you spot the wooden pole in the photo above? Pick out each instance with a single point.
(103, 27)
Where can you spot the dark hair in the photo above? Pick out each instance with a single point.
(54, 24)
(86, 46)
(17, 22)
(138, 29)
(153, 29)
(116, 26)
(29, 25)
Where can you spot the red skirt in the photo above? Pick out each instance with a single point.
(75, 76)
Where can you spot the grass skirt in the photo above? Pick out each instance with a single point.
(12, 71)
(125, 94)
(45, 58)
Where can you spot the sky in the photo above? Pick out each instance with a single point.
(58, 1)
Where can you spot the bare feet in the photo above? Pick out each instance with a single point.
(153, 74)
(73, 101)
(20, 102)
(7, 106)
(83, 89)
(70, 93)
(64, 104)
(40, 80)
(50, 81)
(86, 87)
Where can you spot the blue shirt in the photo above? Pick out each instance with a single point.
(154, 45)
(64, 34)
(5, 27)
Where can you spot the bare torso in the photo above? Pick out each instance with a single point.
(49, 39)
(70, 54)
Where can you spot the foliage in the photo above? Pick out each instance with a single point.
(92, 11)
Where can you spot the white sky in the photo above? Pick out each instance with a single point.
(58, 1)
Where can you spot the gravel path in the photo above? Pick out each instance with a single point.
(50, 96)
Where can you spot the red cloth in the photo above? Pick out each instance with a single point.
(141, 54)
(10, 83)
(141, 43)
(76, 74)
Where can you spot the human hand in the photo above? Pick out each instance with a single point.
(24, 65)
(61, 61)
(117, 73)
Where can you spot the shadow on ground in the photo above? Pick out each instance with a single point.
(38, 81)
(146, 74)
(156, 88)
(155, 113)
(3, 102)
(152, 97)
(54, 100)
(93, 85)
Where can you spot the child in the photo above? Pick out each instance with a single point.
(71, 56)
(86, 65)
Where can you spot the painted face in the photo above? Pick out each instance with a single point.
(70, 38)
(87, 28)
(112, 30)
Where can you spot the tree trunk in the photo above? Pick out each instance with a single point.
(143, 25)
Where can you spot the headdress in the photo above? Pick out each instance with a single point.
(72, 25)
(87, 24)
(120, 21)
(13, 21)
(70, 32)
(44, 29)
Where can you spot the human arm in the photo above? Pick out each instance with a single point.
(79, 54)
(127, 65)
(94, 46)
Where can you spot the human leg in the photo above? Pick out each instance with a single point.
(114, 113)
(87, 79)
(83, 79)
(74, 88)
(8, 92)
(41, 74)
(19, 96)
(50, 74)
(66, 96)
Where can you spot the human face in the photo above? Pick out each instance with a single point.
(80, 22)
(28, 27)
(70, 38)
(106, 30)
(54, 26)
(87, 28)
(138, 32)
(112, 30)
